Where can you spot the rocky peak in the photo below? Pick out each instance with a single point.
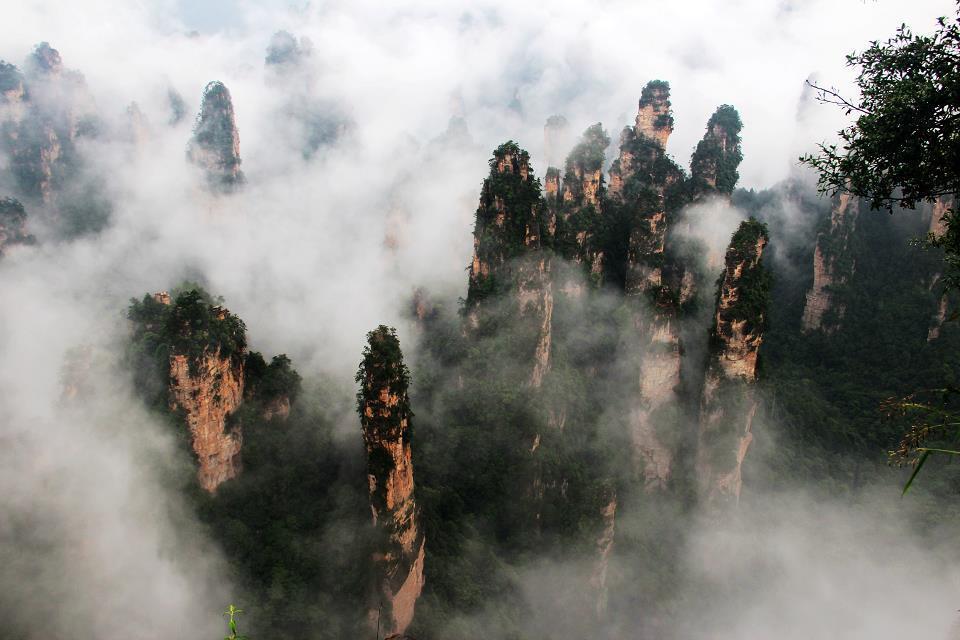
(714, 164)
(384, 409)
(199, 350)
(285, 50)
(216, 142)
(45, 60)
(728, 404)
(508, 222)
(583, 178)
(655, 119)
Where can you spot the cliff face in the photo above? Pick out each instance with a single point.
(831, 266)
(384, 410)
(713, 167)
(579, 208)
(13, 224)
(639, 179)
(215, 147)
(508, 257)
(655, 119)
(208, 390)
(728, 405)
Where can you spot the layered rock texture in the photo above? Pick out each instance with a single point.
(832, 267)
(206, 386)
(209, 389)
(215, 146)
(385, 414)
(728, 405)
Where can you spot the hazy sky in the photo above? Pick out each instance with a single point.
(419, 60)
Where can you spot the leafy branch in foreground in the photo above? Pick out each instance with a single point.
(934, 419)
(233, 612)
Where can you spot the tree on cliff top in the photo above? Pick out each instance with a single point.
(382, 367)
(904, 148)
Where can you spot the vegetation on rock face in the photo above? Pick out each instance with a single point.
(214, 145)
(751, 289)
(654, 91)
(509, 207)
(382, 367)
(904, 148)
(718, 155)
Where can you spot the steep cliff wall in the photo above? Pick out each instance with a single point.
(208, 389)
(604, 548)
(832, 266)
(713, 167)
(728, 405)
(580, 206)
(215, 146)
(640, 179)
(510, 272)
(384, 410)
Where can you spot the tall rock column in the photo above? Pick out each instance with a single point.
(510, 270)
(206, 382)
(215, 146)
(728, 404)
(713, 167)
(832, 266)
(384, 410)
(639, 181)
(580, 204)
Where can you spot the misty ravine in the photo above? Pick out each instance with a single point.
(459, 320)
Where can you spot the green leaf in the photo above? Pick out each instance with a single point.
(916, 470)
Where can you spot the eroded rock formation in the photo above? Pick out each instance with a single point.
(384, 410)
(209, 389)
(215, 147)
(508, 256)
(832, 267)
(43, 113)
(728, 405)
(713, 167)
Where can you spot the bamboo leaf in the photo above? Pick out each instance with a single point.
(920, 462)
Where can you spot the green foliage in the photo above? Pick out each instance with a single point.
(656, 90)
(719, 153)
(382, 367)
(905, 144)
(295, 524)
(518, 200)
(268, 382)
(233, 613)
